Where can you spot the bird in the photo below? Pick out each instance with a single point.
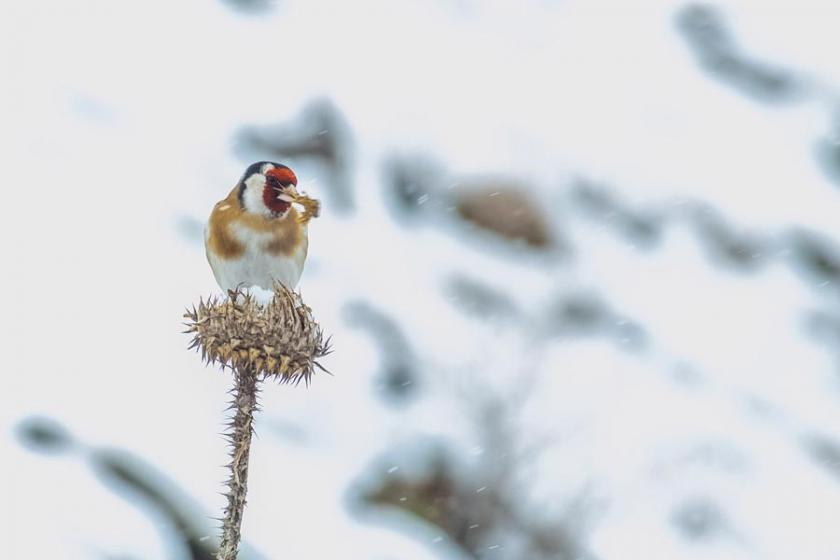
(254, 236)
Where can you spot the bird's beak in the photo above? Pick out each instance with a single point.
(288, 194)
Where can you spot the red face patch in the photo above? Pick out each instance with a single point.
(273, 204)
(283, 174)
(276, 179)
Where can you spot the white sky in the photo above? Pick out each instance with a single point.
(117, 119)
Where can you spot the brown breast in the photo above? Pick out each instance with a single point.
(286, 234)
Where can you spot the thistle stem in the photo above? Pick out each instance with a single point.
(241, 429)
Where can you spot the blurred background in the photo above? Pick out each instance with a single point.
(580, 261)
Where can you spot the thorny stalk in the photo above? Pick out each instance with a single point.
(241, 429)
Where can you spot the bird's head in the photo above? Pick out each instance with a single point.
(268, 188)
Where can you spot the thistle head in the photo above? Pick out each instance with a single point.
(279, 339)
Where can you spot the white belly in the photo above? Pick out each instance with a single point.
(256, 267)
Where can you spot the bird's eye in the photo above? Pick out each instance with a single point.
(273, 182)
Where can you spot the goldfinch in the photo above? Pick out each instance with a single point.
(255, 237)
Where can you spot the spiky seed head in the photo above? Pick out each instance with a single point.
(278, 339)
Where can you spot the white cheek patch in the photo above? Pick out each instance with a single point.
(252, 198)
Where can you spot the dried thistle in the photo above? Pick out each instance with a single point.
(278, 340)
